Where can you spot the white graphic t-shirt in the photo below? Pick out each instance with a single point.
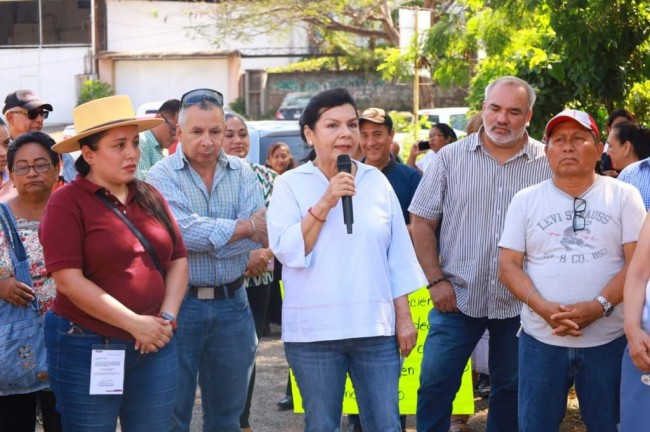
(568, 266)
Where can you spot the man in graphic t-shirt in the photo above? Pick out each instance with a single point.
(575, 233)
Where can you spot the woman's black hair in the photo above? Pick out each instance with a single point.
(40, 138)
(621, 112)
(320, 103)
(636, 134)
(145, 194)
(446, 130)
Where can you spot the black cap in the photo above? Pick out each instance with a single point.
(26, 99)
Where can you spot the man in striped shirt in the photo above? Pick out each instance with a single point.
(467, 191)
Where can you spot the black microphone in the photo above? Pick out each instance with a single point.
(344, 164)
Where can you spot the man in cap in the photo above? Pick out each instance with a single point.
(25, 112)
(219, 206)
(155, 142)
(377, 133)
(576, 233)
(466, 191)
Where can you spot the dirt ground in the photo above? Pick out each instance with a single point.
(271, 382)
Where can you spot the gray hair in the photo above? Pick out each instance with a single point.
(513, 80)
(204, 105)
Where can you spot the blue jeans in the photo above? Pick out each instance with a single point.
(450, 342)
(635, 398)
(149, 382)
(320, 369)
(547, 372)
(216, 340)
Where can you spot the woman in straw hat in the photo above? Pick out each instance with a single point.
(109, 334)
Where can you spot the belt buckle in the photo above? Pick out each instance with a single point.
(205, 293)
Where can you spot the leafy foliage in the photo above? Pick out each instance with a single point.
(94, 89)
(588, 54)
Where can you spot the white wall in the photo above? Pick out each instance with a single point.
(159, 80)
(50, 72)
(136, 25)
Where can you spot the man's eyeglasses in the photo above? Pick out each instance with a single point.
(172, 127)
(579, 220)
(40, 167)
(195, 96)
(33, 114)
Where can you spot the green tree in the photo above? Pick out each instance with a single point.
(94, 89)
(587, 54)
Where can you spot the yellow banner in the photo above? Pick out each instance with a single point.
(409, 382)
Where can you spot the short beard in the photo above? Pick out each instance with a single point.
(500, 140)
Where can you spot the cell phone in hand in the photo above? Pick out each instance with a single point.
(423, 145)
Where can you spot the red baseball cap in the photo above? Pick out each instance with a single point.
(583, 118)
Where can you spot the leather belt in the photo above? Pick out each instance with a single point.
(218, 292)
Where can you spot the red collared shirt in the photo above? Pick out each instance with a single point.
(79, 231)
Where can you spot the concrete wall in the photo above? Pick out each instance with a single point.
(166, 26)
(50, 72)
(159, 80)
(368, 89)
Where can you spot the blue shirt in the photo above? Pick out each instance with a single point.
(405, 181)
(207, 218)
(638, 175)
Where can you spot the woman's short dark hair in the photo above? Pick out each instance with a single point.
(322, 102)
(40, 138)
(621, 112)
(636, 134)
(446, 130)
(144, 193)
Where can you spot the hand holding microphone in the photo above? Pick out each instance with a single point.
(344, 164)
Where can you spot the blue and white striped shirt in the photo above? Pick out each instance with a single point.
(207, 219)
(471, 191)
(638, 175)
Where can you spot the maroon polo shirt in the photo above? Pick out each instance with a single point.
(79, 231)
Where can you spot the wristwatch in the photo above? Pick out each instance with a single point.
(169, 317)
(607, 306)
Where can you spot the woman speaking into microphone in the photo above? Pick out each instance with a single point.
(345, 304)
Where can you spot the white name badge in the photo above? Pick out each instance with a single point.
(107, 372)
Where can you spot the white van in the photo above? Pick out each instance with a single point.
(455, 117)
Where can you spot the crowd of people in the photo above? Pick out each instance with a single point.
(154, 255)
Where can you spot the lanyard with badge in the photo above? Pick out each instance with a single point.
(107, 369)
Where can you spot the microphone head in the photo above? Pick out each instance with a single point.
(344, 163)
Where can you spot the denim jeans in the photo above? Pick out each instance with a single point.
(320, 369)
(149, 382)
(450, 342)
(216, 340)
(635, 397)
(547, 372)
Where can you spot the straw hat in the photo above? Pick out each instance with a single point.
(100, 115)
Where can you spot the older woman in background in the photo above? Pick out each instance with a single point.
(258, 275)
(33, 167)
(345, 306)
(279, 157)
(121, 271)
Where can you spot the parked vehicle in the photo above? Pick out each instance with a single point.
(455, 117)
(292, 106)
(263, 133)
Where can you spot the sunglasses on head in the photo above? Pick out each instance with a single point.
(33, 114)
(195, 96)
